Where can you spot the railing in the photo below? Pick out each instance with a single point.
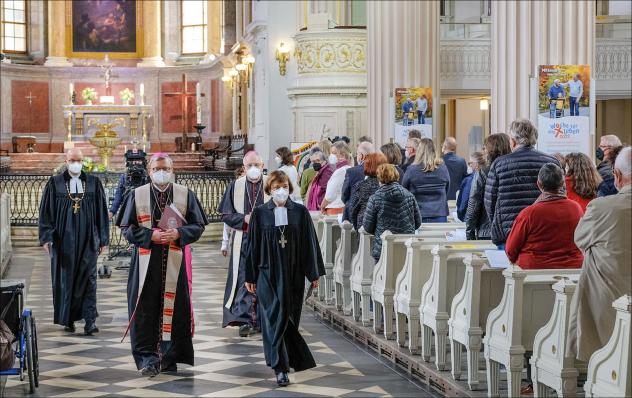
(465, 31)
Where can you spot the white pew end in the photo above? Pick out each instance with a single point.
(328, 244)
(481, 292)
(385, 273)
(361, 278)
(437, 293)
(347, 249)
(609, 367)
(511, 327)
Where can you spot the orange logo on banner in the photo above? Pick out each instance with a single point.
(558, 130)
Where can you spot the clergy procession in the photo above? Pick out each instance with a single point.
(331, 198)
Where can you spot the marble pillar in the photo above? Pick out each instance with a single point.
(526, 34)
(403, 51)
(57, 34)
(152, 43)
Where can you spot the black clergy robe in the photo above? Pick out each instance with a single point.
(76, 239)
(145, 330)
(280, 273)
(242, 309)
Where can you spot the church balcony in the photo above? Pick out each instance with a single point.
(613, 59)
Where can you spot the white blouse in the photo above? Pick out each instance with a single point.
(333, 194)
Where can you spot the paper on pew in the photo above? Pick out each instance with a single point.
(497, 258)
(456, 235)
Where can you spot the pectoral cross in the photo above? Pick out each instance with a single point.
(282, 241)
(76, 206)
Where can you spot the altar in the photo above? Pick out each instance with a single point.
(131, 121)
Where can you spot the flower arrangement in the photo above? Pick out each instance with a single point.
(89, 94)
(126, 95)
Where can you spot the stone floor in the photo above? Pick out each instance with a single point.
(225, 364)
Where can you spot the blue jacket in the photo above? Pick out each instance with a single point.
(554, 91)
(353, 175)
(429, 188)
(118, 195)
(464, 196)
(457, 167)
(407, 106)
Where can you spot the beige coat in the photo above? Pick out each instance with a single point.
(604, 235)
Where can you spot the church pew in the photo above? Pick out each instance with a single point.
(609, 367)
(437, 293)
(316, 216)
(361, 278)
(407, 297)
(512, 325)
(389, 265)
(328, 243)
(550, 367)
(347, 249)
(481, 292)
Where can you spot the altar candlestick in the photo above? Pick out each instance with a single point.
(142, 94)
(144, 148)
(198, 106)
(125, 148)
(72, 90)
(193, 147)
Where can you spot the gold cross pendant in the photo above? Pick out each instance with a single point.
(282, 241)
(76, 206)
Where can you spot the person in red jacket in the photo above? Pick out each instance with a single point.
(542, 236)
(582, 179)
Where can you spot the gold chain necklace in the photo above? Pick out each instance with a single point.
(76, 200)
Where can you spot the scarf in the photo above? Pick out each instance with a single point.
(551, 196)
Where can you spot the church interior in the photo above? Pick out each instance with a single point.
(204, 83)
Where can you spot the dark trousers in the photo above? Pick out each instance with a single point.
(434, 219)
(421, 117)
(574, 101)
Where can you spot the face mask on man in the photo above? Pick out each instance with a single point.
(333, 159)
(280, 195)
(316, 166)
(599, 154)
(75, 167)
(253, 173)
(161, 177)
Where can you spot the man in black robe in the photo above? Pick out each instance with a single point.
(74, 230)
(158, 289)
(240, 198)
(284, 251)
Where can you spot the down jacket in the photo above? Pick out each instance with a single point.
(511, 186)
(390, 208)
(476, 219)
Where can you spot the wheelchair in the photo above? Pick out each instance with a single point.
(21, 322)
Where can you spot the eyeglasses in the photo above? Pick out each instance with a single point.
(154, 169)
(602, 147)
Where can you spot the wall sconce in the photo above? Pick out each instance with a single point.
(282, 55)
(484, 104)
(248, 59)
(233, 73)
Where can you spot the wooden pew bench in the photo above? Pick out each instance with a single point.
(347, 249)
(328, 245)
(361, 278)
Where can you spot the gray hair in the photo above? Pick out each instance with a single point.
(343, 149)
(158, 157)
(314, 149)
(611, 140)
(366, 148)
(320, 154)
(624, 162)
(551, 177)
(523, 132)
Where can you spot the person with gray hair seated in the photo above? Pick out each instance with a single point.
(603, 235)
(512, 179)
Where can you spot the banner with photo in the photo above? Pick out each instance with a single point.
(564, 109)
(413, 111)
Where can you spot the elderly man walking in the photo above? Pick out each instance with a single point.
(603, 235)
(512, 179)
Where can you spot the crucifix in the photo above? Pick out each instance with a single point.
(76, 206)
(30, 98)
(282, 241)
(184, 101)
(106, 67)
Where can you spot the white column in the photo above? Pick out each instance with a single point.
(152, 39)
(526, 34)
(403, 51)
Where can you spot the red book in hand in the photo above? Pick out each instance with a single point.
(171, 218)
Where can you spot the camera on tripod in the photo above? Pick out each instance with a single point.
(136, 164)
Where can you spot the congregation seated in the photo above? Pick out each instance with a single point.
(477, 160)
(339, 162)
(393, 154)
(477, 221)
(429, 181)
(511, 181)
(355, 174)
(603, 235)
(607, 145)
(390, 208)
(542, 234)
(582, 179)
(363, 190)
(456, 165)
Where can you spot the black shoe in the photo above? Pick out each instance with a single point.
(245, 330)
(169, 368)
(70, 328)
(150, 370)
(283, 379)
(91, 328)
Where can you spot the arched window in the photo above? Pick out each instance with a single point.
(13, 26)
(194, 27)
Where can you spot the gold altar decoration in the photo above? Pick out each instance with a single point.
(106, 139)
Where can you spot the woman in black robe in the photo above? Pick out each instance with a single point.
(284, 250)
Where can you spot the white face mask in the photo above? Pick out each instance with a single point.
(161, 177)
(253, 173)
(75, 167)
(470, 170)
(280, 195)
(277, 160)
(333, 159)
